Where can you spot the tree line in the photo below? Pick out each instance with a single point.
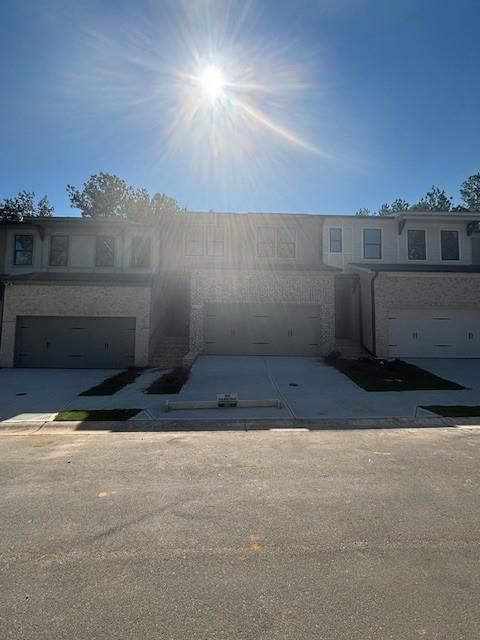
(105, 195)
(435, 200)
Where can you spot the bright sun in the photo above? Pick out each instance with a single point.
(212, 83)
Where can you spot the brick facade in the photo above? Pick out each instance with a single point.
(262, 286)
(421, 291)
(76, 300)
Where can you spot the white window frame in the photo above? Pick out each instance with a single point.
(276, 229)
(204, 231)
(330, 229)
(363, 242)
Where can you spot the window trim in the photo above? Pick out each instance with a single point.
(15, 250)
(425, 243)
(458, 246)
(207, 242)
(363, 242)
(101, 266)
(330, 229)
(202, 242)
(59, 235)
(276, 229)
(144, 238)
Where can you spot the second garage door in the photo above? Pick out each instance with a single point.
(434, 334)
(263, 329)
(75, 342)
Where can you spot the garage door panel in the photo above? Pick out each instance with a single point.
(75, 342)
(434, 334)
(256, 329)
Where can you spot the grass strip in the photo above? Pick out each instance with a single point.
(454, 410)
(89, 415)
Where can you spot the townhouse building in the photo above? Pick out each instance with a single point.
(80, 292)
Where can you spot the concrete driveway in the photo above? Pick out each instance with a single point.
(306, 387)
(310, 389)
(43, 391)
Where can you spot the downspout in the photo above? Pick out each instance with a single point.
(374, 328)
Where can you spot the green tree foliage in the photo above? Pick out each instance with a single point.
(22, 206)
(107, 196)
(470, 192)
(434, 200)
(363, 212)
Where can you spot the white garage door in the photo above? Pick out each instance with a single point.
(434, 334)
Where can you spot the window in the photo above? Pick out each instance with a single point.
(58, 251)
(335, 240)
(286, 242)
(194, 242)
(214, 241)
(265, 242)
(141, 252)
(276, 242)
(104, 256)
(372, 244)
(450, 248)
(23, 250)
(416, 244)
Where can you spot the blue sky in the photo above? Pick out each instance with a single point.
(329, 105)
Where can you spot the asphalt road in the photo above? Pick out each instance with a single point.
(330, 535)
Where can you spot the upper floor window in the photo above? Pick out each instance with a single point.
(417, 249)
(372, 244)
(335, 240)
(273, 242)
(141, 252)
(204, 241)
(23, 250)
(265, 242)
(450, 247)
(105, 251)
(214, 240)
(286, 241)
(59, 251)
(194, 242)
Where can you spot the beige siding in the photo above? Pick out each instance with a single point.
(76, 300)
(268, 287)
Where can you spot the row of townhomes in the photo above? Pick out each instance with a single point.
(80, 292)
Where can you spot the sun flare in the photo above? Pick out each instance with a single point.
(212, 83)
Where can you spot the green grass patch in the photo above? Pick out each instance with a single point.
(113, 384)
(454, 410)
(373, 374)
(170, 382)
(86, 415)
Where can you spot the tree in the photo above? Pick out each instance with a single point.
(22, 206)
(107, 196)
(399, 204)
(470, 192)
(434, 200)
(363, 212)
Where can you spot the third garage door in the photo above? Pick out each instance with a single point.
(263, 329)
(434, 334)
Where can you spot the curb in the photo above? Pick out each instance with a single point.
(136, 426)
